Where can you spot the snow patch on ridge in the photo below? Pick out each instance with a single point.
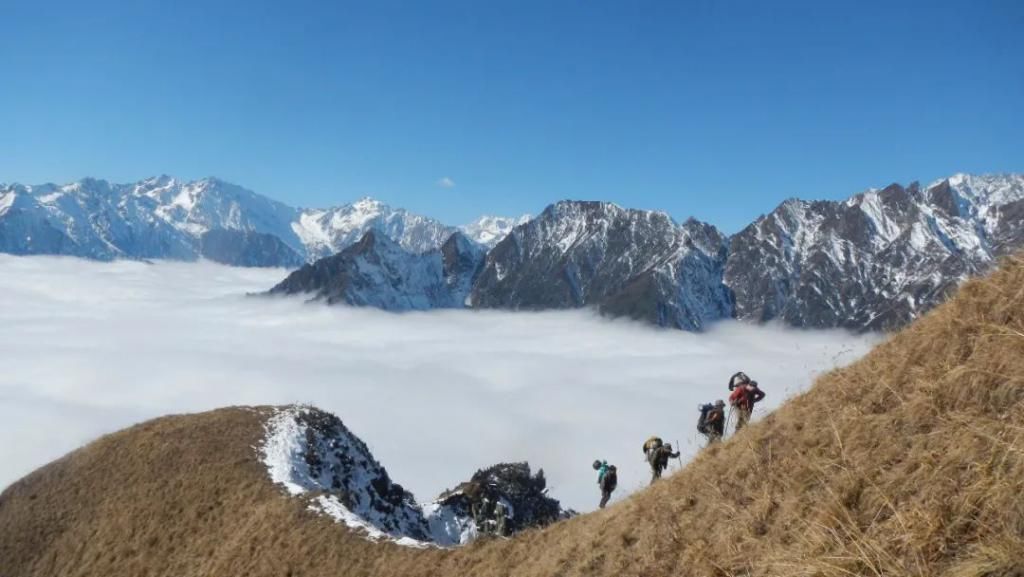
(6, 201)
(312, 454)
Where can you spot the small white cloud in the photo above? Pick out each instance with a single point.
(445, 182)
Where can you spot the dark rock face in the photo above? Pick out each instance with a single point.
(377, 272)
(522, 495)
(247, 248)
(635, 263)
(344, 466)
(1009, 228)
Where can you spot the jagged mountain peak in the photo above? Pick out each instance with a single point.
(489, 230)
(622, 261)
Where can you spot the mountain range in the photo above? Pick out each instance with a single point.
(167, 218)
(874, 261)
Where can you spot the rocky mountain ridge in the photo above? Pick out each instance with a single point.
(874, 261)
(311, 454)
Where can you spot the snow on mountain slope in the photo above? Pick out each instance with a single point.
(327, 231)
(876, 260)
(200, 206)
(628, 262)
(309, 452)
(7, 200)
(489, 230)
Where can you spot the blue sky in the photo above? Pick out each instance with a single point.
(716, 109)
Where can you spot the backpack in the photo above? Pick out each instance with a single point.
(610, 479)
(739, 378)
(652, 443)
(702, 421)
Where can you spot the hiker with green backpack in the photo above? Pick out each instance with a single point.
(607, 480)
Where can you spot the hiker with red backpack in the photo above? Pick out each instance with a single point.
(745, 394)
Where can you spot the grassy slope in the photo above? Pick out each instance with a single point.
(908, 462)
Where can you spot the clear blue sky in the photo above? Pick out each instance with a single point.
(717, 109)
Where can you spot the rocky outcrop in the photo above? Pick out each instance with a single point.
(311, 454)
(377, 272)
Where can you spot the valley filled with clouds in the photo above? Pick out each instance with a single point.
(88, 348)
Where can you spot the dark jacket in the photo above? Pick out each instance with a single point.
(745, 396)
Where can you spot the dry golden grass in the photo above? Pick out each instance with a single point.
(908, 462)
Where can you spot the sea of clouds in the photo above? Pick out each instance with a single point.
(88, 348)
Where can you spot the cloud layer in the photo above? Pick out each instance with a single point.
(89, 348)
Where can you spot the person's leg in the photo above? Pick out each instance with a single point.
(741, 418)
(605, 495)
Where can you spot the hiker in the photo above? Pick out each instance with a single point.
(658, 458)
(607, 479)
(711, 423)
(743, 399)
(651, 444)
(738, 379)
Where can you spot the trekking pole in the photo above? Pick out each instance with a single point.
(679, 453)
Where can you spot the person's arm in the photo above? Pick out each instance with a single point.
(758, 395)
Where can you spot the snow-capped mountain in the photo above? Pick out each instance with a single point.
(634, 263)
(874, 261)
(488, 231)
(156, 218)
(878, 259)
(164, 217)
(312, 455)
(325, 232)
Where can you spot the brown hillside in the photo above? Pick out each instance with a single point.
(908, 462)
